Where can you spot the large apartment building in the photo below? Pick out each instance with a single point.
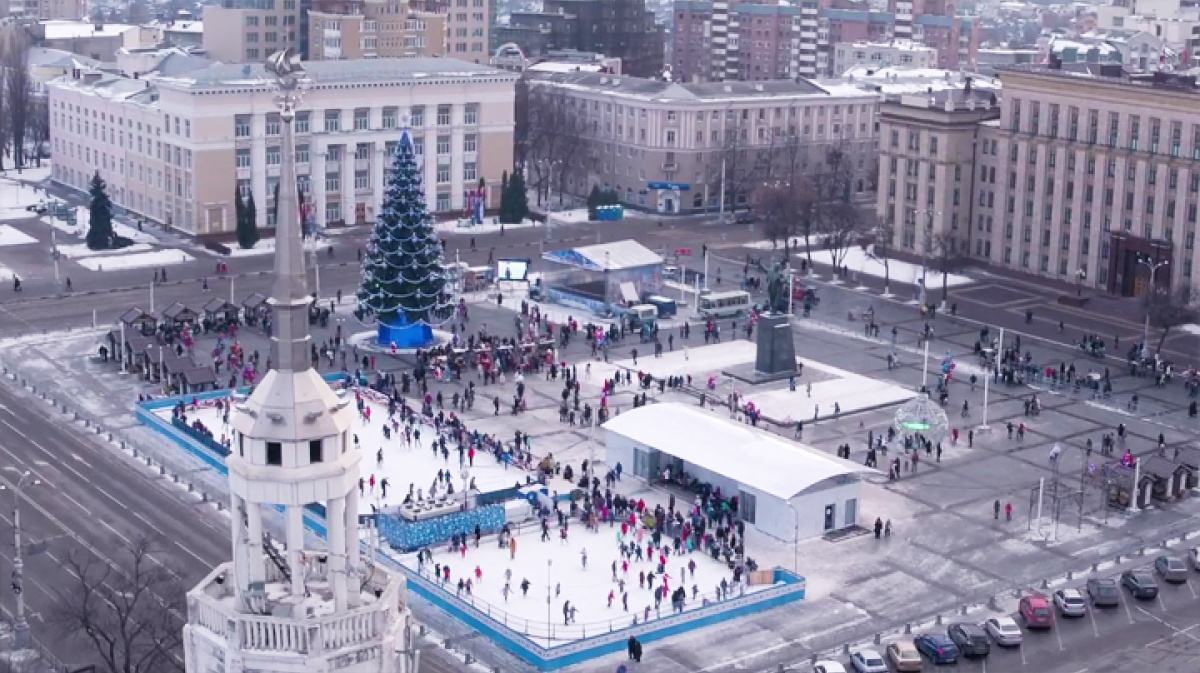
(1076, 175)
(69, 10)
(757, 40)
(238, 31)
(174, 149)
(661, 145)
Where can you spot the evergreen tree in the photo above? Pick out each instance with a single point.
(250, 228)
(247, 233)
(403, 272)
(518, 201)
(504, 201)
(100, 230)
(594, 199)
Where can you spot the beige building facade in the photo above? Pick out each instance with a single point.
(661, 145)
(239, 31)
(342, 30)
(1088, 179)
(174, 150)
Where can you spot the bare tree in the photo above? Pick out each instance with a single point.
(946, 256)
(131, 615)
(552, 136)
(5, 128)
(742, 164)
(18, 94)
(881, 251)
(38, 126)
(841, 224)
(1168, 310)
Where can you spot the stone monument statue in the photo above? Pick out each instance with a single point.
(777, 299)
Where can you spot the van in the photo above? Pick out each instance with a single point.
(641, 314)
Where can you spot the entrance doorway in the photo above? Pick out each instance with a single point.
(360, 213)
(830, 517)
(851, 512)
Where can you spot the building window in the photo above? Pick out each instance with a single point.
(302, 154)
(470, 172)
(302, 122)
(251, 54)
(443, 201)
(389, 117)
(241, 126)
(362, 119)
(362, 180)
(443, 145)
(243, 158)
(333, 211)
(389, 148)
(274, 453)
(362, 151)
(333, 182)
(314, 451)
(418, 116)
(471, 114)
(272, 124)
(418, 147)
(443, 115)
(333, 121)
(469, 142)
(443, 174)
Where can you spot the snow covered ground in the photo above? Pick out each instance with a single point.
(555, 571)
(857, 261)
(14, 197)
(6, 274)
(10, 235)
(266, 246)
(848, 390)
(77, 251)
(1190, 328)
(798, 243)
(137, 260)
(402, 465)
(489, 226)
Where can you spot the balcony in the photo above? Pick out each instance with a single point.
(362, 164)
(670, 168)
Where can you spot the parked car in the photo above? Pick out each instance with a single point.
(1195, 556)
(1070, 603)
(939, 648)
(1140, 583)
(1171, 569)
(971, 640)
(904, 656)
(868, 661)
(1103, 592)
(1035, 612)
(828, 667)
(1004, 631)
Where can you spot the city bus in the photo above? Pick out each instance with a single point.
(724, 304)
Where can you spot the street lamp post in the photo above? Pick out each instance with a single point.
(1154, 265)
(20, 623)
(925, 249)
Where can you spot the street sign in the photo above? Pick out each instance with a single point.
(683, 252)
(681, 186)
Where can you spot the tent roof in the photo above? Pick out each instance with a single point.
(746, 455)
(613, 256)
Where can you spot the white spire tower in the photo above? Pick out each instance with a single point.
(292, 449)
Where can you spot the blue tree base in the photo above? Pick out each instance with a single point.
(405, 335)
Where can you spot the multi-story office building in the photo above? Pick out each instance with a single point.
(772, 41)
(623, 29)
(353, 29)
(661, 145)
(68, 10)
(903, 53)
(467, 26)
(1078, 176)
(174, 149)
(237, 31)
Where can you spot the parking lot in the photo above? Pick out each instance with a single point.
(1162, 634)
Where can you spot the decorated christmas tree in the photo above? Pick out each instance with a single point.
(100, 235)
(404, 277)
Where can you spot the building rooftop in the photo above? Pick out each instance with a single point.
(66, 30)
(1110, 73)
(44, 57)
(222, 75)
(658, 90)
(902, 45)
(899, 81)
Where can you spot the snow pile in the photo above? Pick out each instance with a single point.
(80, 250)
(266, 246)
(856, 260)
(489, 226)
(136, 260)
(12, 236)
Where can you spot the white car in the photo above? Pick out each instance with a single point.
(868, 661)
(1070, 603)
(1004, 630)
(828, 667)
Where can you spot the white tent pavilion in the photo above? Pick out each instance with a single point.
(787, 490)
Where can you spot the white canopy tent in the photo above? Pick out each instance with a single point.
(787, 490)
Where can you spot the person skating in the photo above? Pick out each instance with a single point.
(878, 527)
(525, 587)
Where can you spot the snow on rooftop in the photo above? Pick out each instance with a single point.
(68, 30)
(560, 66)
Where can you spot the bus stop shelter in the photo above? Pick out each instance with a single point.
(785, 489)
(598, 277)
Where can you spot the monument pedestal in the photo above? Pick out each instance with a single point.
(776, 358)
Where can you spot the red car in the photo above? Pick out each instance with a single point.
(1036, 612)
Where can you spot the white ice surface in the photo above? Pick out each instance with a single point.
(488, 226)
(857, 261)
(401, 465)
(266, 246)
(137, 260)
(556, 568)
